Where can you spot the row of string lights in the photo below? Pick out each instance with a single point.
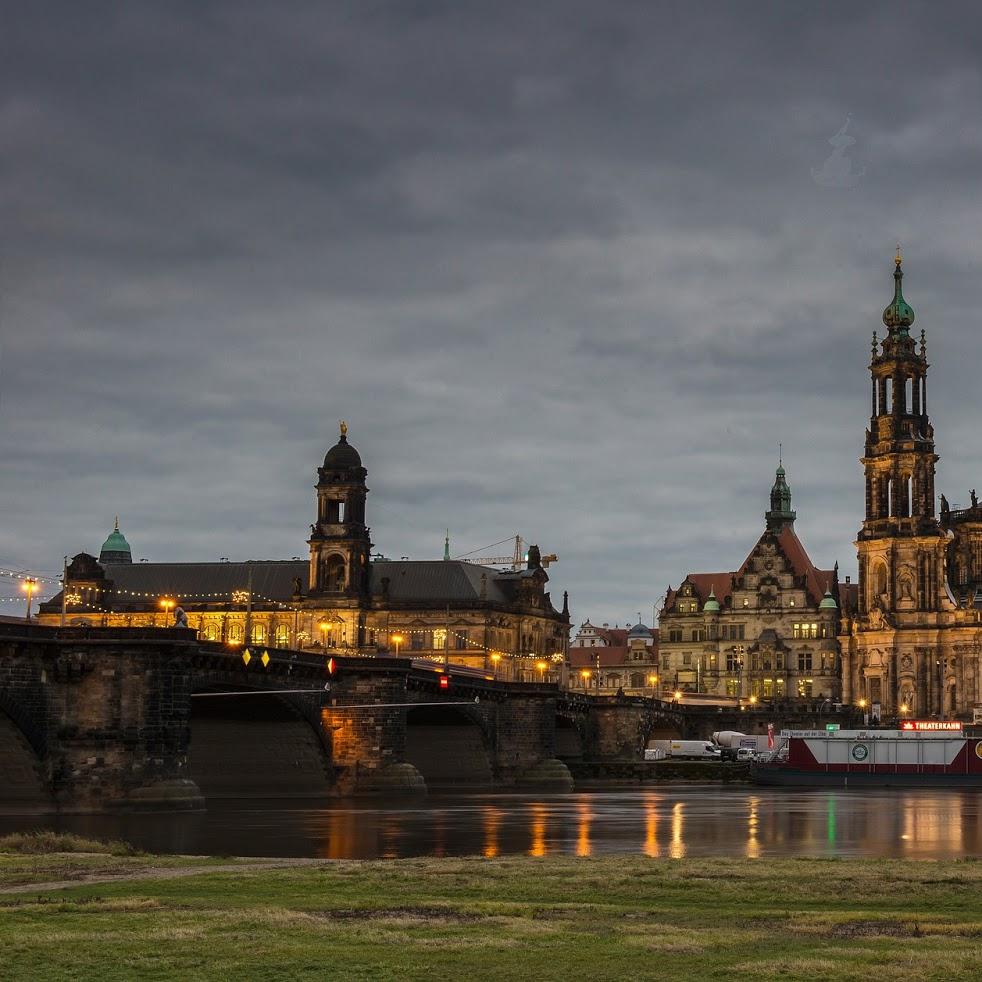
(78, 603)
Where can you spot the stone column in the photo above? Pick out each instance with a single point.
(921, 681)
(368, 746)
(525, 750)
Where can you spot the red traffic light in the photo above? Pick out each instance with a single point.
(444, 681)
(331, 666)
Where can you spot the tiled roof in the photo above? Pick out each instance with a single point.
(816, 580)
(441, 580)
(139, 585)
(587, 657)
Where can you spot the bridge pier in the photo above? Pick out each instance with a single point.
(368, 746)
(525, 752)
(107, 716)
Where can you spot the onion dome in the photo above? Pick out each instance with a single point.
(828, 602)
(712, 604)
(115, 549)
(899, 315)
(342, 456)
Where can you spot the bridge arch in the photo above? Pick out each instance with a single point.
(450, 746)
(260, 745)
(23, 785)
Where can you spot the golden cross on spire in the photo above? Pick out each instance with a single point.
(898, 258)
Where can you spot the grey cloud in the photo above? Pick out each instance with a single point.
(563, 267)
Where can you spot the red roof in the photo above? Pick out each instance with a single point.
(816, 580)
(587, 657)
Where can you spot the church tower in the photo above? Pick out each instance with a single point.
(780, 515)
(340, 545)
(901, 545)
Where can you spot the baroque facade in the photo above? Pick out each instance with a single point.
(339, 599)
(609, 660)
(912, 642)
(764, 633)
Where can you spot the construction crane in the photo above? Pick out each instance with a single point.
(516, 560)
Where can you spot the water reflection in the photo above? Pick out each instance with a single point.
(690, 821)
(538, 846)
(650, 847)
(677, 850)
(493, 817)
(753, 846)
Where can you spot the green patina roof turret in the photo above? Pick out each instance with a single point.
(115, 549)
(711, 604)
(828, 602)
(780, 514)
(899, 315)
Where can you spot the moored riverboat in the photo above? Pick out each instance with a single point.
(923, 753)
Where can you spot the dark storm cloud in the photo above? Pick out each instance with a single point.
(572, 270)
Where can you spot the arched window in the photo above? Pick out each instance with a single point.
(282, 635)
(891, 509)
(334, 574)
(235, 633)
(888, 390)
(210, 631)
(259, 633)
(880, 579)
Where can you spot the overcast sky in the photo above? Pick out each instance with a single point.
(571, 270)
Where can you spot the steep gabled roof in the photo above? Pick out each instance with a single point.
(721, 584)
(817, 581)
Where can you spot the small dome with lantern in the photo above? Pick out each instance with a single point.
(115, 549)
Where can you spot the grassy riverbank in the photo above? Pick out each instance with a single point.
(552, 918)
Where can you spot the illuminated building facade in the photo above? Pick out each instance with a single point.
(339, 599)
(912, 643)
(765, 632)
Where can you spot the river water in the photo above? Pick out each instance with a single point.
(673, 823)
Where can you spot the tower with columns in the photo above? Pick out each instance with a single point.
(908, 647)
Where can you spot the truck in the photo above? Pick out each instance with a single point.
(730, 741)
(682, 749)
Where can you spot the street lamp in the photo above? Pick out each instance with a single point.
(753, 700)
(29, 585)
(397, 640)
(168, 606)
(653, 681)
(495, 658)
(678, 696)
(323, 625)
(904, 709)
(541, 666)
(585, 675)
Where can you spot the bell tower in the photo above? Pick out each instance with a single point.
(340, 545)
(901, 545)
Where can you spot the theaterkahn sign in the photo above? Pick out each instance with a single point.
(925, 725)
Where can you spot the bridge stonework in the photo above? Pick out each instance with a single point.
(106, 718)
(100, 718)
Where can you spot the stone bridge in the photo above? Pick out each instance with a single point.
(95, 718)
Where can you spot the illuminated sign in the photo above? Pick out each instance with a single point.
(931, 724)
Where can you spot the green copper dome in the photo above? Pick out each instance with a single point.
(828, 602)
(711, 604)
(899, 315)
(115, 549)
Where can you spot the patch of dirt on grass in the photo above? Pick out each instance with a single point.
(430, 915)
(875, 929)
